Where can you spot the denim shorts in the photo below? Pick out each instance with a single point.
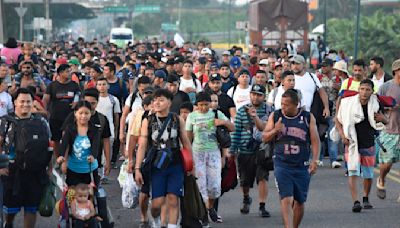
(169, 180)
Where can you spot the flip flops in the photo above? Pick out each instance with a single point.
(380, 189)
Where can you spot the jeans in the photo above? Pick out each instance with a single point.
(332, 146)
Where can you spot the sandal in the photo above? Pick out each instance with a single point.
(380, 189)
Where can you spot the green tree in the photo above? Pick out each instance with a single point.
(379, 35)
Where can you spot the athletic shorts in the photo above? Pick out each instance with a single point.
(249, 170)
(169, 180)
(208, 173)
(365, 168)
(55, 128)
(31, 187)
(391, 143)
(292, 182)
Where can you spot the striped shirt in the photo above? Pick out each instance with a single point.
(244, 128)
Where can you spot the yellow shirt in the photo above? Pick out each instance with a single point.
(354, 86)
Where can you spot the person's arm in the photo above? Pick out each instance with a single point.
(325, 100)
(315, 145)
(73, 210)
(184, 137)
(232, 112)
(133, 140)
(92, 211)
(224, 122)
(46, 101)
(107, 152)
(189, 128)
(141, 151)
(122, 121)
(271, 130)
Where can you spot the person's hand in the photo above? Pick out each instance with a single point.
(189, 90)
(107, 169)
(90, 159)
(219, 122)
(279, 125)
(60, 159)
(64, 167)
(130, 167)
(345, 141)
(379, 117)
(326, 113)
(139, 177)
(252, 112)
(312, 169)
(4, 172)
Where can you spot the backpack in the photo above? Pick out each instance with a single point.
(31, 141)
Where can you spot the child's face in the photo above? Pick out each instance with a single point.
(203, 106)
(214, 102)
(82, 196)
(184, 113)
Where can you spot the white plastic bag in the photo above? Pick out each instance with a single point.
(130, 193)
(123, 173)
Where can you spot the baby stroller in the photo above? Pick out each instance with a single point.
(98, 196)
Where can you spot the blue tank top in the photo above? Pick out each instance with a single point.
(292, 144)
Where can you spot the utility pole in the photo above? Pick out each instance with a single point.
(357, 30)
(47, 12)
(1, 25)
(325, 24)
(21, 12)
(230, 22)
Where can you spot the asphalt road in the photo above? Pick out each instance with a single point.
(329, 205)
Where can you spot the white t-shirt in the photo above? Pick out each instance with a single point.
(306, 86)
(106, 108)
(378, 83)
(136, 104)
(240, 97)
(6, 104)
(185, 83)
(278, 97)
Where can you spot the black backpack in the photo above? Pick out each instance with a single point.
(31, 141)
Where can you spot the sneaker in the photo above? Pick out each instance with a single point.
(145, 224)
(340, 158)
(213, 214)
(367, 205)
(114, 165)
(336, 165)
(104, 180)
(320, 163)
(156, 222)
(380, 189)
(219, 220)
(357, 207)
(264, 213)
(346, 174)
(246, 205)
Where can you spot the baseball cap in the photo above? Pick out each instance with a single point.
(263, 62)
(277, 64)
(235, 62)
(327, 62)
(244, 56)
(179, 59)
(149, 89)
(206, 51)
(172, 78)
(73, 62)
(226, 53)
(160, 74)
(298, 59)
(259, 89)
(396, 65)
(170, 62)
(61, 61)
(215, 77)
(214, 66)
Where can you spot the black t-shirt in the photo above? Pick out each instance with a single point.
(179, 98)
(365, 132)
(61, 98)
(225, 102)
(94, 119)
